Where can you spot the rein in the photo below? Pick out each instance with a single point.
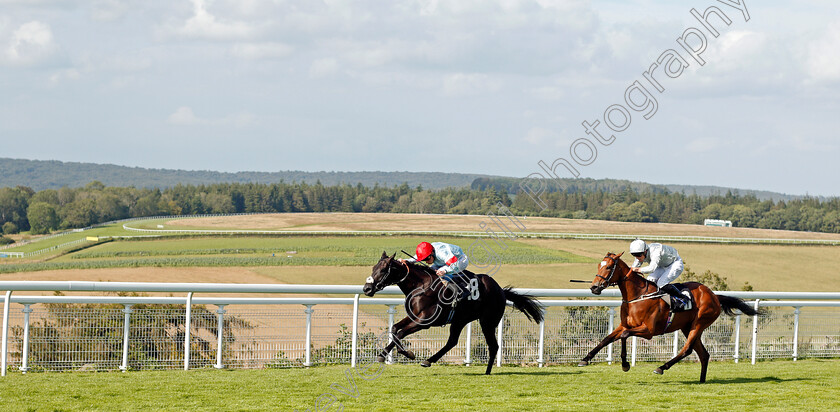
(383, 283)
(654, 295)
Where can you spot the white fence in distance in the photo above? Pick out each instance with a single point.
(136, 332)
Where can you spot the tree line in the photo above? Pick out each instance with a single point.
(23, 209)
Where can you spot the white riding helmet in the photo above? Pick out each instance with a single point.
(638, 246)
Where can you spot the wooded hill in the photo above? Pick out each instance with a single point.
(53, 174)
(39, 175)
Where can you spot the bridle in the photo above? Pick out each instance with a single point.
(384, 281)
(608, 279)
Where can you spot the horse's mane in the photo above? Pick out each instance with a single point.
(418, 266)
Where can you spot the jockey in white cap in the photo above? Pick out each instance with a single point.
(664, 266)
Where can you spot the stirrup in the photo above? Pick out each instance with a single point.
(456, 293)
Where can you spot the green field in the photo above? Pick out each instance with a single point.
(803, 385)
(539, 263)
(245, 251)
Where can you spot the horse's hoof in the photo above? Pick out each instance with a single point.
(658, 371)
(583, 363)
(409, 354)
(425, 364)
(380, 359)
(625, 367)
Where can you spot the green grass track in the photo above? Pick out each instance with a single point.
(803, 385)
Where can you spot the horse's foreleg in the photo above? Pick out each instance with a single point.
(642, 331)
(394, 340)
(454, 334)
(400, 330)
(607, 340)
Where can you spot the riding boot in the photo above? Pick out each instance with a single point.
(675, 293)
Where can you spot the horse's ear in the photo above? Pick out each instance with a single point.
(619, 255)
(394, 255)
(384, 255)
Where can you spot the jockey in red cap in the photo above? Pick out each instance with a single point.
(445, 259)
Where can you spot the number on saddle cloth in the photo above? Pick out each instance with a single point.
(468, 285)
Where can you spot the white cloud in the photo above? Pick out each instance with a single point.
(323, 68)
(204, 25)
(65, 74)
(267, 50)
(469, 84)
(539, 135)
(740, 49)
(706, 144)
(109, 10)
(823, 61)
(30, 43)
(184, 116)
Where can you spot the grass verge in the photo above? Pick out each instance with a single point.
(802, 385)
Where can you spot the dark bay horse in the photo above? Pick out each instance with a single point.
(647, 318)
(428, 304)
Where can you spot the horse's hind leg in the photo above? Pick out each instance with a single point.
(691, 338)
(454, 334)
(704, 356)
(488, 328)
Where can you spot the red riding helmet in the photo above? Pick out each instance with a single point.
(424, 249)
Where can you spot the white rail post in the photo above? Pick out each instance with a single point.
(187, 332)
(468, 350)
(755, 331)
(676, 343)
(126, 322)
(355, 325)
(611, 327)
(795, 332)
(24, 367)
(737, 338)
(392, 310)
(541, 360)
(633, 351)
(307, 360)
(499, 339)
(6, 303)
(220, 335)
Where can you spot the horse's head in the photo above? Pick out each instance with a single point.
(606, 275)
(384, 273)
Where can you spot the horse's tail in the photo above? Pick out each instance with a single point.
(728, 304)
(527, 304)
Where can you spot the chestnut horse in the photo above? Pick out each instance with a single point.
(427, 305)
(648, 317)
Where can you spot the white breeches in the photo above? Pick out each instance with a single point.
(666, 275)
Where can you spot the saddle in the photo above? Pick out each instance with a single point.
(678, 305)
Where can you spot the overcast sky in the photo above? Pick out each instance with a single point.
(471, 86)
